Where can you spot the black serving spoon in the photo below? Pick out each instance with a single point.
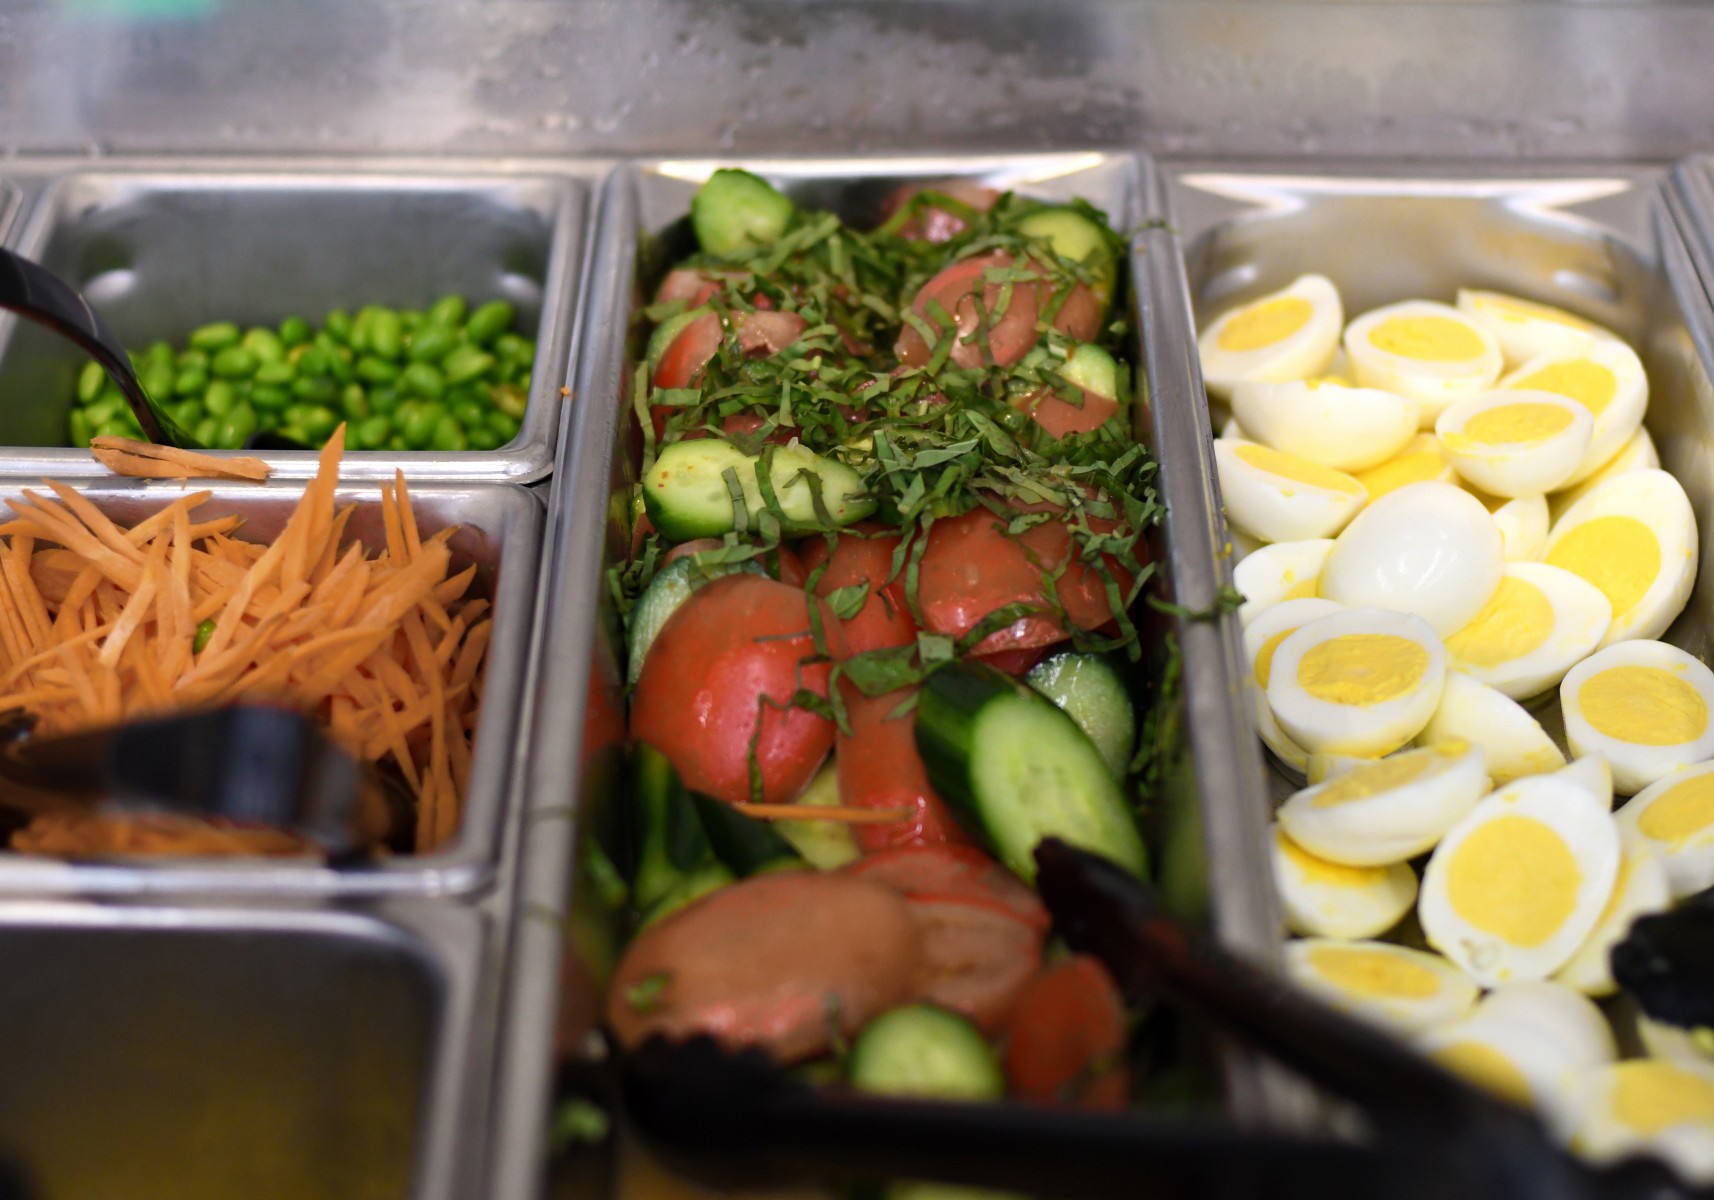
(31, 290)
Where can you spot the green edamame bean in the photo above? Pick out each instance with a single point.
(470, 413)
(239, 424)
(341, 365)
(420, 378)
(78, 428)
(419, 430)
(116, 428)
(505, 427)
(318, 389)
(220, 398)
(215, 336)
(204, 631)
(294, 331)
(512, 347)
(448, 310)
(187, 413)
(448, 435)
(298, 434)
(511, 400)
(396, 443)
(489, 322)
(158, 379)
(372, 433)
(191, 382)
(410, 321)
(311, 360)
(104, 410)
(383, 399)
(483, 438)
(264, 343)
(318, 422)
(465, 392)
(354, 404)
(431, 344)
(277, 373)
(386, 334)
(90, 382)
(234, 362)
(269, 398)
(205, 430)
(404, 412)
(358, 339)
(192, 358)
(337, 325)
(376, 370)
(466, 363)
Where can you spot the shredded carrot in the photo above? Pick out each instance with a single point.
(98, 622)
(149, 460)
(815, 812)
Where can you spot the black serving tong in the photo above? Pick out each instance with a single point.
(31, 290)
(253, 764)
(735, 1117)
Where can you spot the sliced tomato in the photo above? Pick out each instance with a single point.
(687, 284)
(1080, 587)
(955, 290)
(961, 871)
(977, 956)
(704, 695)
(1015, 662)
(931, 223)
(762, 334)
(1066, 1037)
(863, 554)
(759, 334)
(971, 568)
(1060, 418)
(879, 768)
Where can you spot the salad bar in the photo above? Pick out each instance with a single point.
(896, 524)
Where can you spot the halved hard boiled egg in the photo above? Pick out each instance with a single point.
(1523, 1041)
(1282, 498)
(1515, 443)
(1428, 351)
(1634, 537)
(1512, 890)
(1593, 775)
(1334, 424)
(1674, 818)
(1641, 888)
(1651, 1106)
(1512, 742)
(1288, 334)
(1429, 549)
(1281, 571)
(1329, 899)
(1540, 622)
(1637, 454)
(1262, 636)
(1645, 706)
(1603, 376)
(1522, 522)
(1422, 460)
(1406, 990)
(1389, 810)
(1524, 328)
(1364, 681)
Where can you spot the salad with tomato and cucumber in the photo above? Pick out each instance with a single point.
(889, 544)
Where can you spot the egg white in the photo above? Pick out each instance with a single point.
(1513, 442)
(1524, 1042)
(1402, 989)
(1428, 351)
(1514, 888)
(1347, 428)
(1641, 888)
(1637, 454)
(1430, 549)
(1512, 742)
(1387, 811)
(1634, 537)
(1674, 818)
(1605, 377)
(1522, 521)
(1524, 328)
(1420, 461)
(1594, 776)
(1262, 636)
(1540, 622)
(1647, 1105)
(1281, 498)
(1646, 706)
(1328, 899)
(1288, 334)
(1281, 571)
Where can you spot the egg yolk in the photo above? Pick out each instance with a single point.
(1522, 312)
(1515, 622)
(1362, 668)
(1619, 555)
(1363, 782)
(1419, 462)
(1680, 812)
(1429, 339)
(1298, 470)
(1316, 869)
(1515, 878)
(1264, 324)
(1650, 1095)
(1583, 380)
(1516, 424)
(1646, 706)
(1365, 972)
(1265, 656)
(1485, 1067)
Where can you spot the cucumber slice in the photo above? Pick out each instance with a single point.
(823, 844)
(1093, 695)
(670, 587)
(1077, 236)
(687, 495)
(667, 331)
(1092, 369)
(926, 1052)
(1020, 770)
(737, 211)
(675, 859)
(744, 844)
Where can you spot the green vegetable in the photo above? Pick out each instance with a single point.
(90, 381)
(736, 211)
(214, 337)
(204, 631)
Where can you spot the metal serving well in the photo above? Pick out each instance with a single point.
(159, 250)
(499, 531)
(560, 952)
(217, 1052)
(11, 200)
(1600, 243)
